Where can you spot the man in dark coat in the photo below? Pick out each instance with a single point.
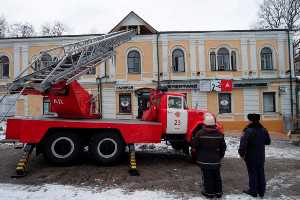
(252, 150)
(210, 148)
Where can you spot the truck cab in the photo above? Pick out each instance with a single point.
(178, 121)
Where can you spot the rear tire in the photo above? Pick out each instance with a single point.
(62, 148)
(106, 148)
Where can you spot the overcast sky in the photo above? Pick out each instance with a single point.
(99, 16)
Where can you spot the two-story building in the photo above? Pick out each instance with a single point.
(230, 73)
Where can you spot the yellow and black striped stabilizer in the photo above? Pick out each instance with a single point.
(132, 167)
(22, 165)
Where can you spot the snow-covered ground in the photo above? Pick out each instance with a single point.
(62, 192)
(279, 149)
(2, 130)
(2, 136)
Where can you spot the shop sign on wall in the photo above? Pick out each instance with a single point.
(124, 87)
(221, 85)
(182, 86)
(204, 86)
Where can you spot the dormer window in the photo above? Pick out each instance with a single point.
(133, 21)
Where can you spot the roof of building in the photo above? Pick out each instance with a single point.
(132, 19)
(54, 36)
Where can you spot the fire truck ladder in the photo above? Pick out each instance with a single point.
(72, 61)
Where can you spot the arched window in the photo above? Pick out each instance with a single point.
(4, 67)
(178, 60)
(266, 59)
(223, 59)
(134, 62)
(45, 61)
(233, 60)
(212, 57)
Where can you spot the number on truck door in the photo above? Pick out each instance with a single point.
(176, 115)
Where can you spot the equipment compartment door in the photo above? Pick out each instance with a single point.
(177, 116)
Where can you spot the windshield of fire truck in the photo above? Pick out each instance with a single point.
(175, 102)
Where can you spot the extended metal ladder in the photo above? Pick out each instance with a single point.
(72, 61)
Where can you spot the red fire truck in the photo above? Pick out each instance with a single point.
(62, 139)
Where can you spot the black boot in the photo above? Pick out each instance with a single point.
(209, 196)
(250, 193)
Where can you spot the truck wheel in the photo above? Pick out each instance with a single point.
(62, 148)
(106, 148)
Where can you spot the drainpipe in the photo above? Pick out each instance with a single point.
(157, 57)
(291, 78)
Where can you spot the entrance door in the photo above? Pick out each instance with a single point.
(177, 115)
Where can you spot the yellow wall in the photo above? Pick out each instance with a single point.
(182, 44)
(212, 102)
(262, 43)
(146, 62)
(35, 105)
(20, 107)
(214, 44)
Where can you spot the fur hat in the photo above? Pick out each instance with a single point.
(253, 117)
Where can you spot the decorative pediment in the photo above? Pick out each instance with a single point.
(133, 21)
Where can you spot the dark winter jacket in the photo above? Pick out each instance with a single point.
(210, 147)
(252, 143)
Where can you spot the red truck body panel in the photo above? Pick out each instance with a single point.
(32, 130)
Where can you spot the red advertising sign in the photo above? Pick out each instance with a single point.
(226, 85)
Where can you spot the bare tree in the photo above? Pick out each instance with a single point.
(279, 14)
(46, 29)
(276, 14)
(21, 30)
(3, 26)
(57, 29)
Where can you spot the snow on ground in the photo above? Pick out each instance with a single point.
(279, 149)
(2, 136)
(62, 192)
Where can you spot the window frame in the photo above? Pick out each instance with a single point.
(47, 101)
(263, 67)
(182, 102)
(233, 60)
(4, 64)
(174, 59)
(223, 56)
(130, 103)
(214, 59)
(273, 102)
(134, 60)
(230, 102)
